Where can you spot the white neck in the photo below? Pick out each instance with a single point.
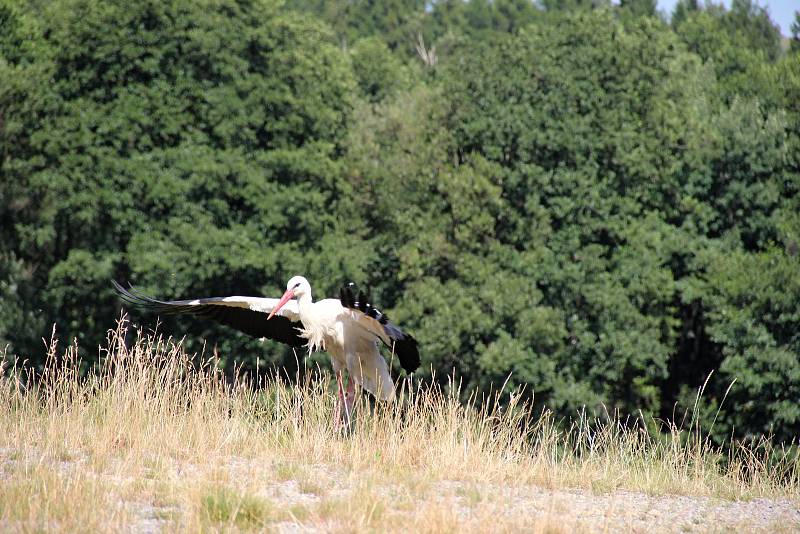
(304, 304)
(313, 329)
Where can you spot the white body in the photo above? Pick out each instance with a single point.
(352, 344)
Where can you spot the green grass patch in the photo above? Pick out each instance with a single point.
(227, 506)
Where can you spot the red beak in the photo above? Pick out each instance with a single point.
(284, 299)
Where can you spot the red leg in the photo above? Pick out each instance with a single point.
(349, 398)
(340, 401)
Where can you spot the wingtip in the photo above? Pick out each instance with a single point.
(131, 296)
(407, 351)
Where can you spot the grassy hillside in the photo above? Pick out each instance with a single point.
(149, 441)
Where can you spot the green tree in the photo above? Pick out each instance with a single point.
(24, 70)
(396, 22)
(639, 8)
(753, 24)
(482, 19)
(379, 73)
(562, 293)
(735, 42)
(752, 314)
(189, 147)
(619, 162)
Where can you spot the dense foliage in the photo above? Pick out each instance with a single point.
(597, 202)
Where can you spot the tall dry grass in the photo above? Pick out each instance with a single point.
(149, 439)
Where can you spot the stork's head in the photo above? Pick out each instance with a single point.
(295, 288)
(298, 286)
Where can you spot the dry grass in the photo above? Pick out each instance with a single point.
(150, 441)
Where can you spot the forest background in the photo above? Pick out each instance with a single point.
(600, 202)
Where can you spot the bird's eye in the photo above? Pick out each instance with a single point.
(296, 285)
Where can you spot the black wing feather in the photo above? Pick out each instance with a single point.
(403, 344)
(254, 323)
(346, 295)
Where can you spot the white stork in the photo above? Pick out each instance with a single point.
(349, 328)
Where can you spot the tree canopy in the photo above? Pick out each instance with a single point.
(599, 203)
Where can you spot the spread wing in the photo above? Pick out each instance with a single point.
(246, 314)
(377, 322)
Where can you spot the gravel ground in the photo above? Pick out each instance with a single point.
(582, 511)
(459, 505)
(637, 512)
(559, 510)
